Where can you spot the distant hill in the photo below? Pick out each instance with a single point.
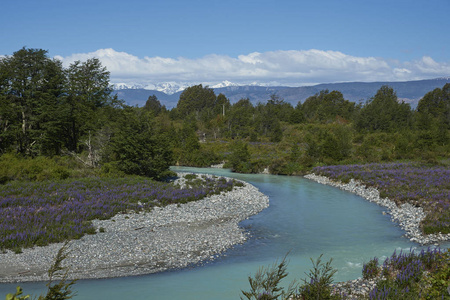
(408, 91)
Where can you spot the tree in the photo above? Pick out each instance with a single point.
(326, 106)
(436, 105)
(135, 146)
(384, 113)
(241, 118)
(239, 159)
(269, 115)
(280, 108)
(297, 116)
(197, 99)
(31, 86)
(152, 104)
(88, 90)
(222, 105)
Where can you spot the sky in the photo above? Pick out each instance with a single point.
(282, 42)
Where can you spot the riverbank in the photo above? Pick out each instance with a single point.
(170, 237)
(407, 216)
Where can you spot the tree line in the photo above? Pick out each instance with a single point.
(324, 129)
(49, 110)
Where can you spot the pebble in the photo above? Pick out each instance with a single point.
(170, 237)
(407, 216)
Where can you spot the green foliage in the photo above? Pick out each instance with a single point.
(384, 113)
(46, 109)
(371, 270)
(62, 289)
(197, 100)
(153, 105)
(438, 282)
(88, 91)
(31, 90)
(135, 147)
(330, 143)
(265, 284)
(318, 283)
(240, 119)
(239, 159)
(326, 107)
(435, 105)
(17, 295)
(55, 291)
(15, 167)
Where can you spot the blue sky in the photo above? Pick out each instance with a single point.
(284, 41)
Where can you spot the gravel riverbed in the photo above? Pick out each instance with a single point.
(170, 237)
(407, 216)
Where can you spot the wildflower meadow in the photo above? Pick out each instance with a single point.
(419, 184)
(39, 213)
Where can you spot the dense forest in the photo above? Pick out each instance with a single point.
(48, 111)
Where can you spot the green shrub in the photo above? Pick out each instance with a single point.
(318, 284)
(15, 167)
(239, 159)
(265, 284)
(16, 295)
(371, 269)
(438, 282)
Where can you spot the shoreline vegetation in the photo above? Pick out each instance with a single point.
(417, 195)
(135, 243)
(376, 281)
(65, 123)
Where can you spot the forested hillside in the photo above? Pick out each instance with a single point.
(50, 111)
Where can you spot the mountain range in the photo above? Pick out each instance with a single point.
(169, 93)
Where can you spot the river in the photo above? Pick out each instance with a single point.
(304, 219)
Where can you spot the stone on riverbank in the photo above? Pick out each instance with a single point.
(171, 237)
(407, 216)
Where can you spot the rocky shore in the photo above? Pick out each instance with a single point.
(171, 237)
(407, 216)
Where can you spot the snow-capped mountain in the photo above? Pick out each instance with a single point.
(169, 92)
(168, 88)
(223, 84)
(171, 88)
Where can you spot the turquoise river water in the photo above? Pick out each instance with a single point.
(304, 219)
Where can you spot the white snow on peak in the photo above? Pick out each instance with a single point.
(222, 84)
(165, 87)
(174, 87)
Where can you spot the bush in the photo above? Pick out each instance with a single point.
(239, 159)
(265, 284)
(371, 269)
(320, 278)
(15, 167)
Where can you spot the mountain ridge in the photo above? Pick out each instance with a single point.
(408, 91)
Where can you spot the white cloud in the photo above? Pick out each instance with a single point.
(294, 67)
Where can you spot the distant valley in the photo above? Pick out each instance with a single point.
(408, 91)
